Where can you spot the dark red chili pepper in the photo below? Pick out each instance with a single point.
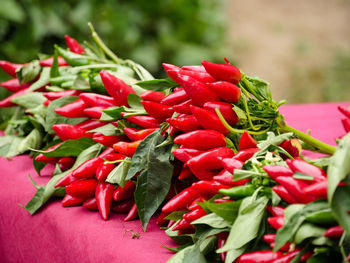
(9, 68)
(73, 45)
(66, 180)
(295, 188)
(222, 237)
(201, 139)
(194, 215)
(225, 72)
(151, 95)
(94, 99)
(136, 134)
(275, 210)
(185, 173)
(318, 189)
(246, 154)
(91, 204)
(126, 192)
(106, 152)
(275, 171)
(346, 124)
(264, 256)
(90, 124)
(207, 189)
(161, 219)
(104, 197)
(208, 119)
(7, 101)
(103, 171)
(226, 91)
(343, 109)
(334, 232)
(231, 164)
(123, 206)
(42, 158)
(197, 75)
(293, 147)
(13, 85)
(184, 107)
(301, 166)
(288, 257)
(195, 204)
(74, 109)
(184, 154)
(276, 221)
(181, 201)
(183, 225)
(284, 194)
(185, 123)
(88, 168)
(175, 98)
(210, 159)
(308, 255)
(66, 162)
(117, 88)
(225, 108)
(143, 121)
(94, 112)
(157, 110)
(246, 141)
(126, 148)
(82, 188)
(69, 200)
(49, 61)
(226, 178)
(54, 95)
(108, 140)
(114, 156)
(133, 214)
(69, 132)
(203, 174)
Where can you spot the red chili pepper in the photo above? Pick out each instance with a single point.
(210, 159)
(222, 237)
(334, 232)
(183, 225)
(345, 110)
(104, 197)
(194, 215)
(207, 189)
(269, 238)
(47, 103)
(117, 88)
(168, 67)
(181, 201)
(293, 147)
(197, 68)
(175, 98)
(201, 139)
(226, 178)
(88, 168)
(184, 154)
(9, 68)
(225, 72)
(226, 91)
(66, 180)
(275, 210)
(246, 154)
(318, 189)
(276, 221)
(126, 148)
(301, 166)
(126, 192)
(221, 200)
(195, 204)
(94, 99)
(133, 214)
(49, 61)
(307, 255)
(346, 124)
(185, 173)
(136, 134)
(231, 164)
(108, 140)
(246, 141)
(183, 107)
(73, 45)
(90, 124)
(197, 75)
(54, 95)
(103, 171)
(91, 204)
(226, 110)
(7, 101)
(94, 112)
(66, 163)
(69, 200)
(151, 95)
(82, 188)
(123, 206)
(295, 188)
(69, 132)
(208, 120)
(114, 156)
(203, 174)
(161, 219)
(284, 194)
(74, 109)
(157, 110)
(288, 257)
(275, 171)
(185, 123)
(13, 85)
(264, 256)
(106, 152)
(143, 121)
(42, 158)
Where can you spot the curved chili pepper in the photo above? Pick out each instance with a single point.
(301, 166)
(293, 147)
(184, 107)
(346, 124)
(91, 204)
(195, 204)
(54, 95)
(7, 101)
(226, 178)
(239, 192)
(201, 139)
(104, 197)
(157, 110)
(88, 168)
(207, 189)
(133, 214)
(108, 140)
(73, 45)
(151, 95)
(103, 170)
(284, 194)
(184, 154)
(269, 238)
(94, 99)
(226, 91)
(47, 103)
(126, 192)
(183, 225)
(69, 200)
(168, 67)
(42, 158)
(66, 180)
(94, 112)
(276, 221)
(90, 124)
(82, 188)
(275, 171)
(225, 72)
(13, 85)
(194, 215)
(275, 210)
(123, 206)
(136, 134)
(334, 232)
(231, 164)
(185, 173)
(185, 123)
(203, 174)
(226, 110)
(114, 156)
(175, 98)
(343, 109)
(117, 88)
(210, 159)
(74, 109)
(197, 75)
(66, 162)
(246, 142)
(181, 201)
(9, 68)
(222, 237)
(49, 62)
(143, 121)
(126, 148)
(106, 152)
(197, 68)
(259, 257)
(288, 257)
(70, 132)
(245, 154)
(317, 188)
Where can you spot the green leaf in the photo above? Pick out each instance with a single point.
(176, 215)
(228, 210)
(134, 102)
(80, 83)
(189, 254)
(119, 173)
(258, 87)
(28, 72)
(11, 10)
(341, 207)
(157, 84)
(31, 141)
(29, 100)
(71, 58)
(108, 129)
(141, 72)
(306, 231)
(272, 139)
(112, 113)
(154, 180)
(54, 71)
(212, 220)
(42, 81)
(339, 166)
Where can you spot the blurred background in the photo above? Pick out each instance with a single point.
(301, 47)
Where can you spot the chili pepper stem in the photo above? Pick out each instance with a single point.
(321, 146)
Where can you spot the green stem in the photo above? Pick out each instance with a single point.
(94, 66)
(321, 146)
(246, 106)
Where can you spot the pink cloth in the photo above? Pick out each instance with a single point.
(58, 234)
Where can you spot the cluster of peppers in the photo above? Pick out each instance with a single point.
(200, 119)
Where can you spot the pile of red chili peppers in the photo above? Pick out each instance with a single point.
(233, 186)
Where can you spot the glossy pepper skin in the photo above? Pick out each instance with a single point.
(226, 110)
(194, 215)
(73, 45)
(151, 95)
(126, 148)
(301, 166)
(207, 189)
(82, 188)
(117, 88)
(198, 68)
(210, 159)
(94, 112)
(344, 110)
(143, 121)
(275, 210)
(87, 169)
(259, 257)
(334, 232)
(124, 193)
(103, 171)
(108, 140)
(318, 189)
(9, 68)
(246, 142)
(227, 179)
(66, 180)
(42, 158)
(175, 98)
(91, 204)
(157, 110)
(90, 124)
(136, 134)
(74, 109)
(69, 200)
(197, 75)
(225, 72)
(284, 194)
(201, 139)
(123, 206)
(292, 146)
(69, 132)
(276, 221)
(239, 192)
(245, 154)
(184, 154)
(184, 107)
(231, 164)
(7, 101)
(59, 94)
(104, 197)
(277, 170)
(94, 99)
(185, 123)
(66, 163)
(13, 85)
(226, 91)
(181, 201)
(133, 213)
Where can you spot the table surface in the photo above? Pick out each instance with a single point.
(57, 234)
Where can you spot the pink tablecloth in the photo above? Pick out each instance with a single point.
(57, 234)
